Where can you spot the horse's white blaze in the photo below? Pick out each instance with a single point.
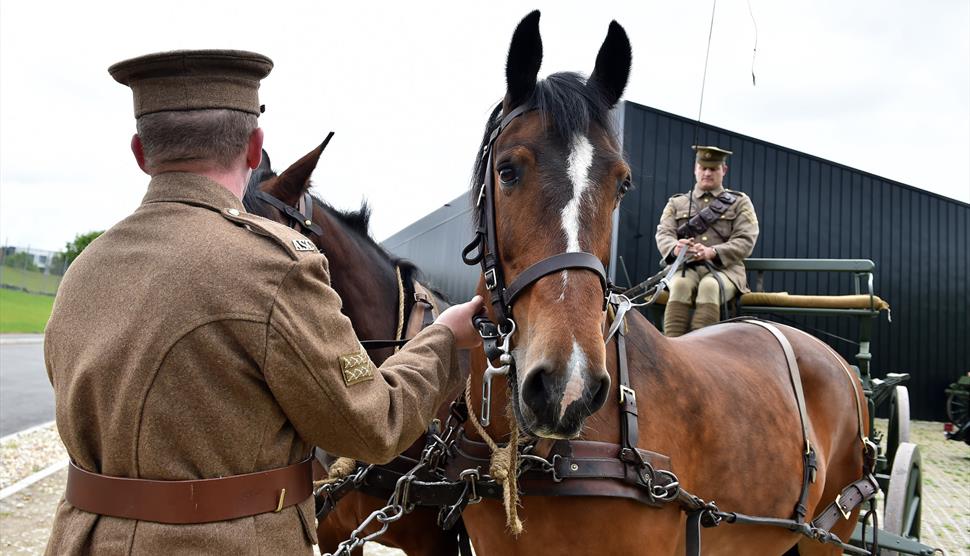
(578, 164)
(575, 371)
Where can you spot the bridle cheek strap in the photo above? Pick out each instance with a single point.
(550, 265)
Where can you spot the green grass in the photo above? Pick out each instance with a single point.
(24, 312)
(30, 280)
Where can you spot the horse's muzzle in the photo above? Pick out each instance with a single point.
(555, 404)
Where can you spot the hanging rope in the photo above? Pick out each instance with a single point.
(707, 56)
(754, 52)
(400, 307)
(340, 469)
(504, 467)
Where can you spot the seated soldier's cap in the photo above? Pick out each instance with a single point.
(194, 80)
(711, 157)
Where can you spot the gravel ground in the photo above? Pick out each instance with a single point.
(26, 454)
(25, 517)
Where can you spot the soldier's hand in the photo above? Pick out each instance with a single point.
(458, 318)
(704, 253)
(682, 243)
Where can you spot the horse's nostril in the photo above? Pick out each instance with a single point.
(534, 387)
(599, 390)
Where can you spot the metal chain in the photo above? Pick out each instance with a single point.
(399, 504)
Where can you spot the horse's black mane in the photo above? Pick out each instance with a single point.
(356, 222)
(565, 99)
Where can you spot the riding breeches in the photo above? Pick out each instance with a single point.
(700, 282)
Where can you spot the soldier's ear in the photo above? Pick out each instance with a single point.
(139, 151)
(725, 169)
(254, 149)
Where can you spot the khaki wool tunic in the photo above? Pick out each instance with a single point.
(733, 235)
(193, 341)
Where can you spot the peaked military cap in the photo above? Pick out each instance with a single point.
(711, 157)
(194, 80)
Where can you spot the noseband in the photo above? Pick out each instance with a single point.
(484, 248)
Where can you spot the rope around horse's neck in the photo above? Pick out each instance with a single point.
(504, 467)
(400, 307)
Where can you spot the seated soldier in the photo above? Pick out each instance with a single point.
(718, 227)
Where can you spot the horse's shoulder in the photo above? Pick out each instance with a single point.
(288, 241)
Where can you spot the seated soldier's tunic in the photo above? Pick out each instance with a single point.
(732, 235)
(193, 340)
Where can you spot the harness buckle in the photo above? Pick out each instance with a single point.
(470, 476)
(626, 391)
(490, 281)
(838, 504)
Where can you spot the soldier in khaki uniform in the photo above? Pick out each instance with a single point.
(197, 352)
(719, 228)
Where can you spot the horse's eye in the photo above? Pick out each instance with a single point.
(624, 186)
(508, 175)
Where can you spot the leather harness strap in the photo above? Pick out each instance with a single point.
(850, 497)
(796, 379)
(187, 502)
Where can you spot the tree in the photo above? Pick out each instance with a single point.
(74, 248)
(20, 259)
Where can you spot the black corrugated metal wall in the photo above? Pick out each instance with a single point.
(813, 208)
(808, 208)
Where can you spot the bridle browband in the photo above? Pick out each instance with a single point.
(483, 249)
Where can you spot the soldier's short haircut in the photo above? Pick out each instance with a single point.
(208, 136)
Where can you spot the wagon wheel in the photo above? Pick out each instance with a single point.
(958, 407)
(898, 422)
(904, 497)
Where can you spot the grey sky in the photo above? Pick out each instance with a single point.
(883, 86)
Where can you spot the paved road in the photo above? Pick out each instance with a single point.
(26, 397)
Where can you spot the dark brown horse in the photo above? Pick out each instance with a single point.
(364, 276)
(719, 402)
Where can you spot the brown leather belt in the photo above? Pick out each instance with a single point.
(196, 501)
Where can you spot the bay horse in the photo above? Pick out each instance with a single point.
(365, 277)
(719, 401)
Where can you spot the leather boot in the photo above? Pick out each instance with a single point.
(705, 314)
(675, 318)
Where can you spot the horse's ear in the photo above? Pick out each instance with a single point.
(264, 163)
(295, 180)
(613, 64)
(525, 57)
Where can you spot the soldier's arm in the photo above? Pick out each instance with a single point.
(329, 388)
(743, 237)
(667, 233)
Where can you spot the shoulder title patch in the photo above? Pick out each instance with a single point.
(356, 367)
(304, 245)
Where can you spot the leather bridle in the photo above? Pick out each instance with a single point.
(301, 216)
(483, 249)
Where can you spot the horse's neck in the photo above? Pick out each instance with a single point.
(365, 281)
